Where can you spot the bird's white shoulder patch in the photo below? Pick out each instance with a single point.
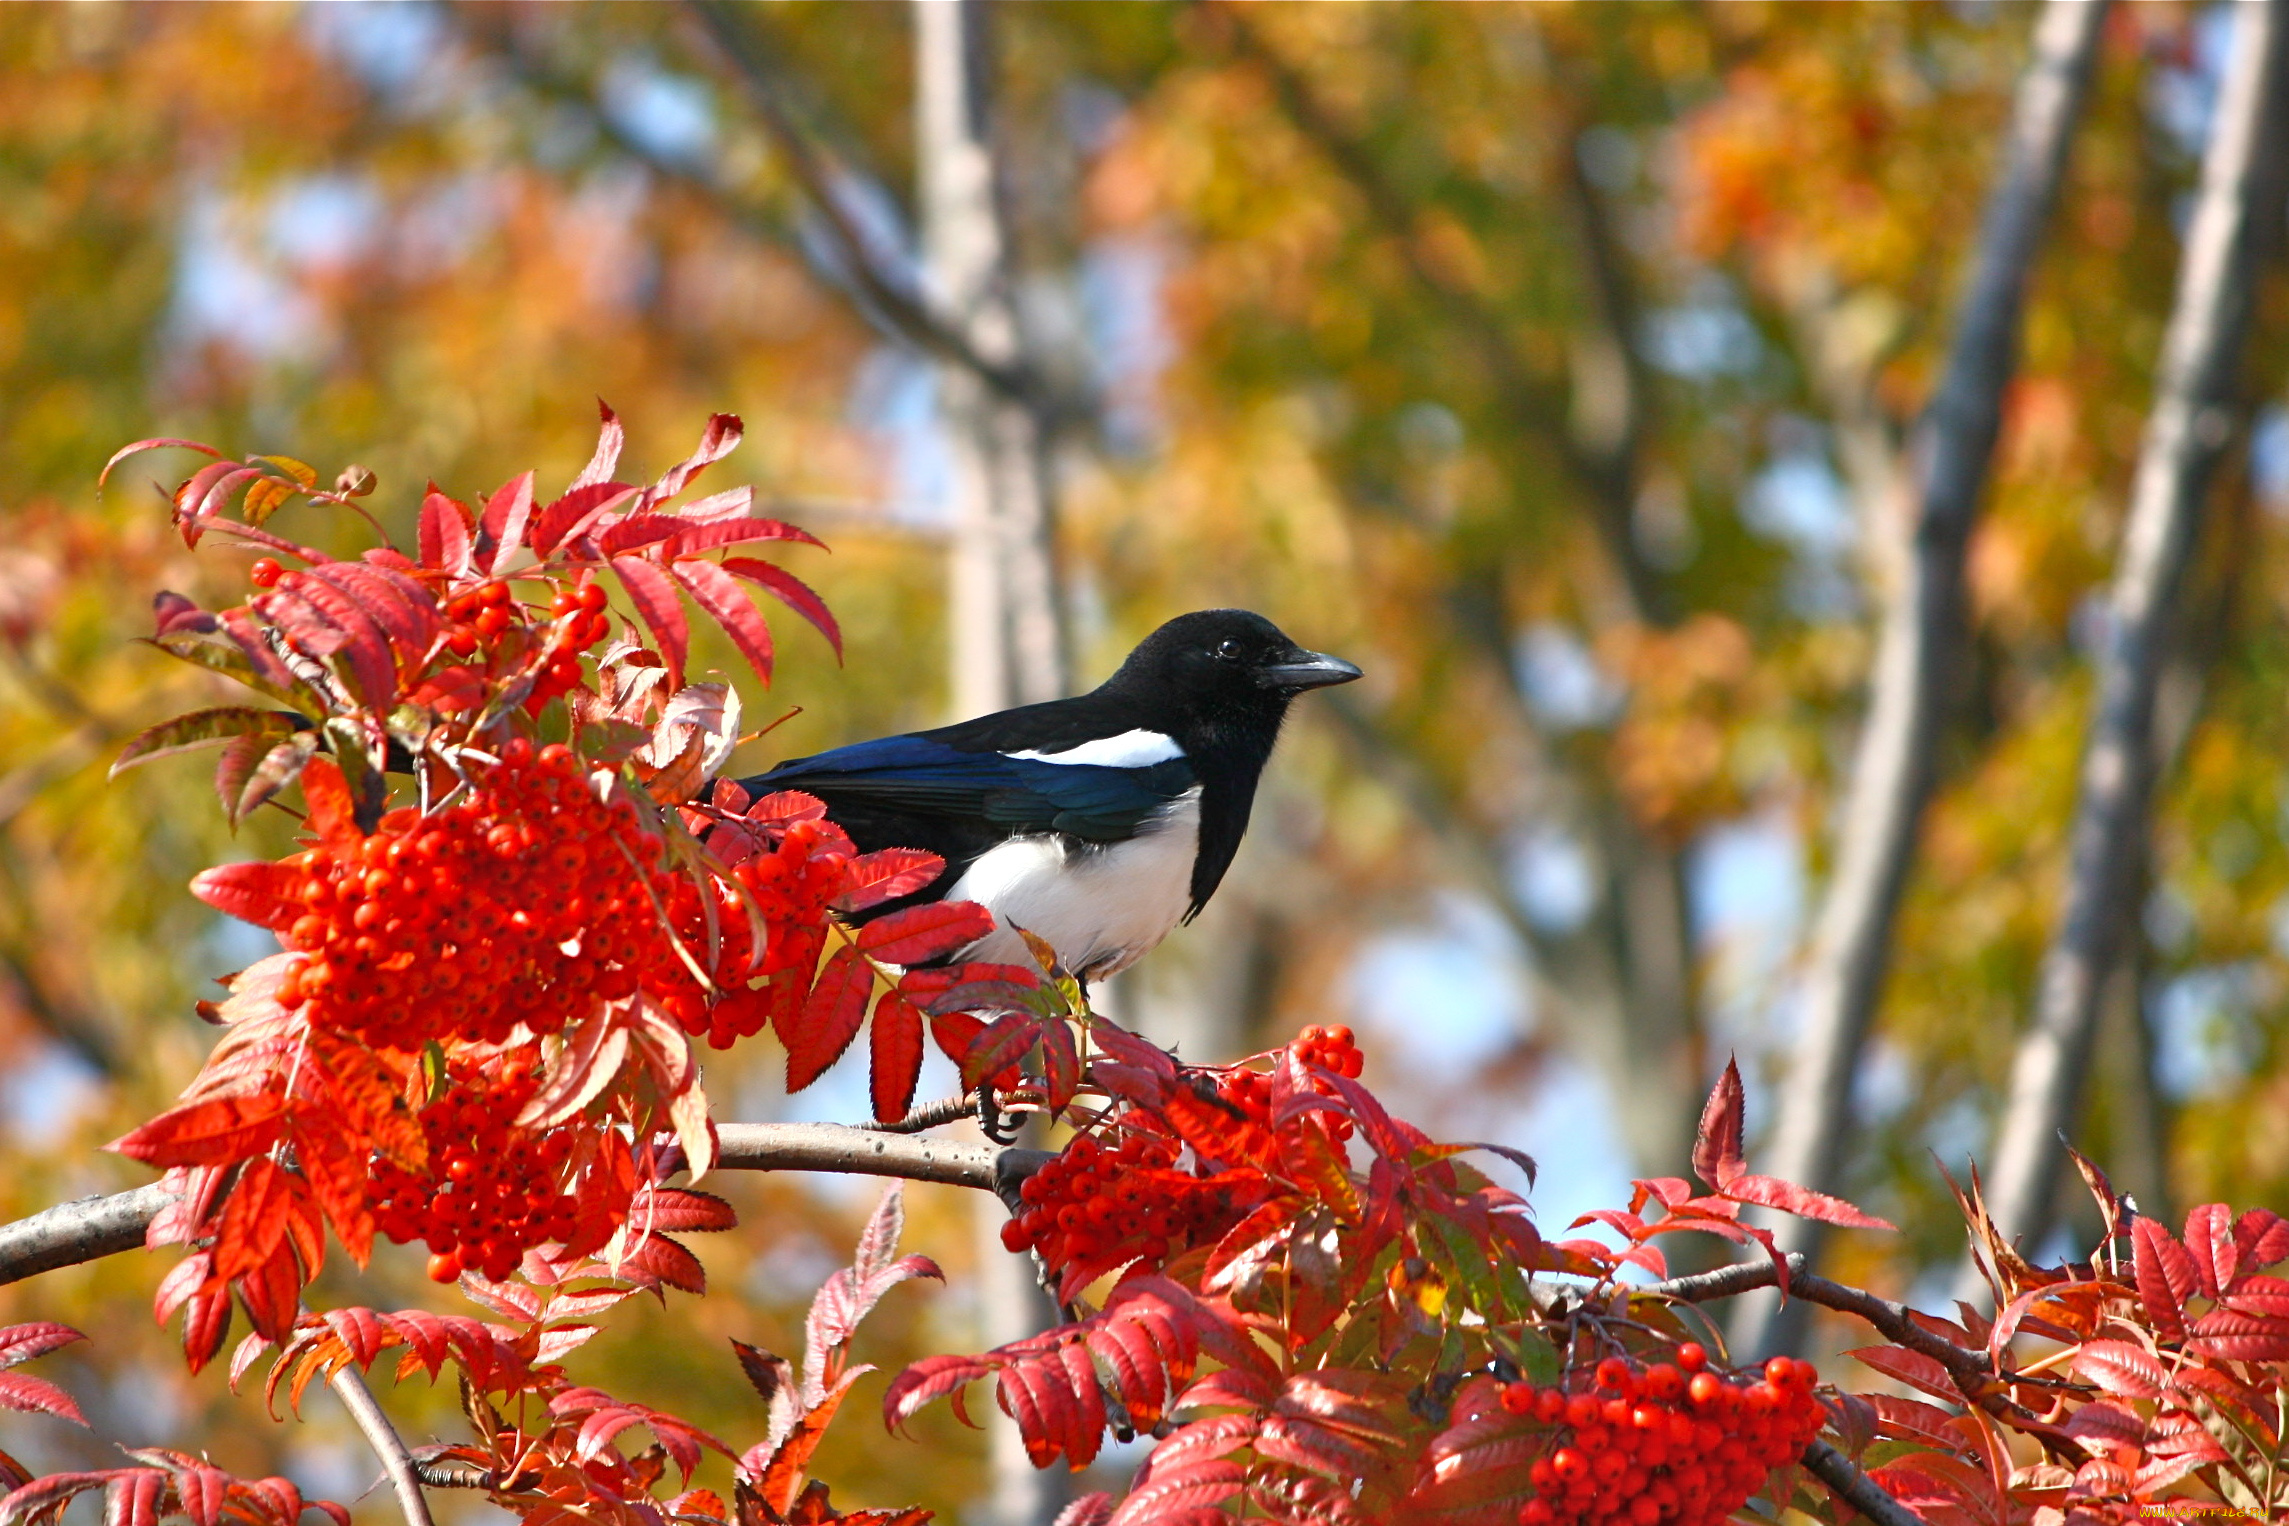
(1131, 749)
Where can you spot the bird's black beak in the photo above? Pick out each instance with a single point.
(1305, 670)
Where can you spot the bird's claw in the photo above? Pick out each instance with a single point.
(998, 1127)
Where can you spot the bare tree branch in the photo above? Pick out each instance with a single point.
(1923, 636)
(91, 1228)
(366, 1413)
(2186, 435)
(1895, 1320)
(910, 310)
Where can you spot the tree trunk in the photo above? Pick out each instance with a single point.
(2186, 435)
(1007, 644)
(1920, 651)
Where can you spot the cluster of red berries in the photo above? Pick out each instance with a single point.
(521, 903)
(1250, 1091)
(789, 883)
(485, 612)
(1673, 1443)
(1329, 1049)
(1096, 1207)
(492, 1190)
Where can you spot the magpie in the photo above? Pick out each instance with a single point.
(1098, 822)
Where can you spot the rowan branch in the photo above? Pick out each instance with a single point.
(89, 1229)
(366, 1413)
(1855, 1488)
(1896, 1321)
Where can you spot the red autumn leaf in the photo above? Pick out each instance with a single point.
(20, 1390)
(896, 1040)
(732, 530)
(929, 931)
(719, 439)
(254, 1219)
(2121, 1368)
(1772, 1192)
(1910, 1367)
(333, 814)
(654, 595)
(1004, 1042)
(364, 642)
(885, 875)
(791, 591)
(336, 1172)
(155, 443)
(2210, 1248)
(1717, 1149)
(211, 1133)
(260, 893)
(21, 1343)
(610, 437)
(2166, 1277)
(717, 592)
(444, 534)
(830, 1017)
(507, 513)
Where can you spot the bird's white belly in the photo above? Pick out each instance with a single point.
(1102, 909)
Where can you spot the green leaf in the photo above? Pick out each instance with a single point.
(205, 728)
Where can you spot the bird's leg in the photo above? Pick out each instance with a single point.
(998, 1128)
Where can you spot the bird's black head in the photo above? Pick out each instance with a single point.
(1222, 668)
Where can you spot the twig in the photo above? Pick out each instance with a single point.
(1971, 1369)
(1855, 1488)
(92, 1228)
(350, 1386)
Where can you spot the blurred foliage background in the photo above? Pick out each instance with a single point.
(1552, 362)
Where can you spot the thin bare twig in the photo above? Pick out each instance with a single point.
(1895, 1320)
(366, 1413)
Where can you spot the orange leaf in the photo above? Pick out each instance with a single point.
(254, 1219)
(333, 815)
(210, 1133)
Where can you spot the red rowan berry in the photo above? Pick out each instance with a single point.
(1692, 1356)
(265, 572)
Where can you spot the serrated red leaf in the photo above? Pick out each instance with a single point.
(261, 893)
(372, 668)
(896, 1042)
(2121, 1368)
(719, 439)
(717, 592)
(21, 1343)
(830, 1018)
(1772, 1192)
(254, 1219)
(610, 437)
(791, 591)
(885, 875)
(732, 529)
(1910, 1367)
(653, 594)
(2165, 1276)
(929, 931)
(445, 534)
(22, 1391)
(2209, 1246)
(508, 512)
(211, 1133)
(1717, 1147)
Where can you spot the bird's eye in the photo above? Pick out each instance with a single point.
(1228, 650)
